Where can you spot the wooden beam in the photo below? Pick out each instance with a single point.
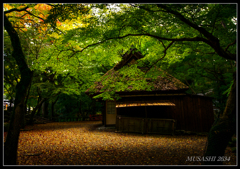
(152, 95)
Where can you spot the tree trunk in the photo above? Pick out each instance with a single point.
(53, 103)
(11, 144)
(223, 129)
(10, 107)
(39, 108)
(25, 108)
(52, 113)
(34, 111)
(45, 109)
(93, 107)
(80, 109)
(23, 117)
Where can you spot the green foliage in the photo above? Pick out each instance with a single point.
(205, 74)
(76, 106)
(11, 71)
(63, 12)
(228, 90)
(68, 59)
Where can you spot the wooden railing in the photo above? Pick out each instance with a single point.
(145, 125)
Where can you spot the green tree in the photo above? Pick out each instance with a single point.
(86, 40)
(210, 76)
(30, 39)
(179, 30)
(11, 144)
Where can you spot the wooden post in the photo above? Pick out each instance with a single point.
(146, 111)
(151, 126)
(173, 127)
(146, 121)
(163, 129)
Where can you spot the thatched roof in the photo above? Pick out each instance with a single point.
(129, 56)
(162, 81)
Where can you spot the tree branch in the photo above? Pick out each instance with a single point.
(234, 42)
(34, 15)
(165, 52)
(211, 40)
(15, 9)
(16, 44)
(104, 67)
(193, 25)
(146, 34)
(22, 9)
(190, 86)
(142, 34)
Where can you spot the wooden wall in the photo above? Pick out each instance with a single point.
(192, 113)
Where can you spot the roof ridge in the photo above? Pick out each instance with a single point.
(127, 56)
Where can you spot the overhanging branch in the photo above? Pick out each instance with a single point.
(230, 45)
(210, 39)
(34, 15)
(15, 9)
(146, 34)
(165, 53)
(143, 34)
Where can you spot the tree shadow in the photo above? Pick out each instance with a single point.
(87, 125)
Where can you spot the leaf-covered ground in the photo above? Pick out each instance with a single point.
(83, 143)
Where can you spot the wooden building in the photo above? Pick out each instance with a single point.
(163, 109)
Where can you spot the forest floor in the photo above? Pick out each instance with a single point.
(87, 143)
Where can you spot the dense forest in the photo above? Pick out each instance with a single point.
(54, 52)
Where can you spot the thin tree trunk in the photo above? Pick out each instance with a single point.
(29, 109)
(52, 113)
(93, 107)
(10, 107)
(35, 109)
(39, 98)
(11, 144)
(53, 103)
(80, 109)
(223, 129)
(45, 109)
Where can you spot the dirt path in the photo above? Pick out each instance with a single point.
(83, 143)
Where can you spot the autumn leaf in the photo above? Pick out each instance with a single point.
(81, 143)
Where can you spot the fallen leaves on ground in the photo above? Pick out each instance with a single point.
(82, 143)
